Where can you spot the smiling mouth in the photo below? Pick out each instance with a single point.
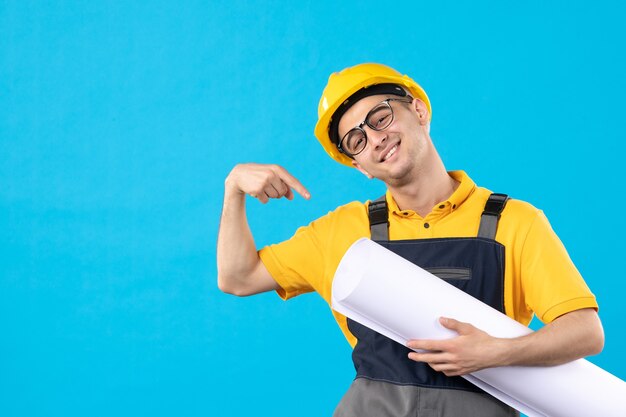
(390, 153)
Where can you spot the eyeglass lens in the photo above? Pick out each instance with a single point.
(379, 118)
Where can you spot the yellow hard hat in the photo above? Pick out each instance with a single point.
(343, 84)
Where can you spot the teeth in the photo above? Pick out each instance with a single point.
(391, 152)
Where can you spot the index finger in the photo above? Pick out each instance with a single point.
(292, 182)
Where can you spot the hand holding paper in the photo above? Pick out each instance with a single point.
(472, 350)
(406, 304)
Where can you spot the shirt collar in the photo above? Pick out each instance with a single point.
(463, 191)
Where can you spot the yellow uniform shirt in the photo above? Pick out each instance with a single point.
(539, 276)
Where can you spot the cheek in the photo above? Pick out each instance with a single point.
(363, 170)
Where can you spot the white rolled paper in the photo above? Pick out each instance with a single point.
(400, 300)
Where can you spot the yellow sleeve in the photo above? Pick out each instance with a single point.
(307, 262)
(297, 264)
(552, 284)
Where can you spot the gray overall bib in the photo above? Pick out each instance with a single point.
(388, 384)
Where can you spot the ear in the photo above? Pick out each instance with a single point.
(422, 111)
(360, 168)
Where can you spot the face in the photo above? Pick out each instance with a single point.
(395, 154)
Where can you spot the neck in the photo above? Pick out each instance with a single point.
(430, 186)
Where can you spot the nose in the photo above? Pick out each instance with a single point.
(376, 137)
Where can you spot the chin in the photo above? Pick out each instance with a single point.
(397, 178)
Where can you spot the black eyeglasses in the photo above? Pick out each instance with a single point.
(379, 118)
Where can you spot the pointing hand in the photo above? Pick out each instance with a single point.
(265, 181)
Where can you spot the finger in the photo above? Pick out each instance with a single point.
(427, 357)
(433, 345)
(292, 182)
(270, 191)
(280, 186)
(443, 367)
(262, 197)
(289, 194)
(452, 372)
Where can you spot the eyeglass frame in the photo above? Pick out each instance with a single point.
(407, 99)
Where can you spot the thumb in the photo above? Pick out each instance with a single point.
(452, 324)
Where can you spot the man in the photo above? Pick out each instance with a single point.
(500, 251)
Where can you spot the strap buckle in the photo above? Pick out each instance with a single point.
(495, 204)
(378, 212)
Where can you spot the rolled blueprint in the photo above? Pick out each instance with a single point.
(400, 300)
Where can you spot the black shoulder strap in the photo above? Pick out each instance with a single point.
(489, 219)
(379, 219)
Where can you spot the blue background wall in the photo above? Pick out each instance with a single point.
(119, 122)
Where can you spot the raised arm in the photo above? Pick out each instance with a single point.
(239, 268)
